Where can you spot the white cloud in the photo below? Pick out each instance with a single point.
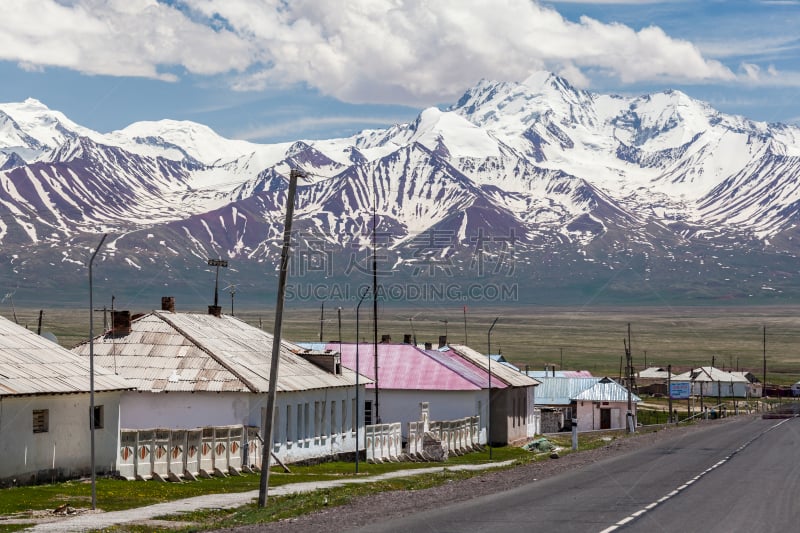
(382, 51)
(297, 125)
(115, 37)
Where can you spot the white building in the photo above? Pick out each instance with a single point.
(197, 370)
(44, 411)
(711, 381)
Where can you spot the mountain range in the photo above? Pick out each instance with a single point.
(521, 192)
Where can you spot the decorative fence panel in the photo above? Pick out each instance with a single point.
(175, 454)
(384, 442)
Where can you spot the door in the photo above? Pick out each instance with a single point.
(605, 418)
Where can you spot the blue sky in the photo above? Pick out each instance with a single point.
(276, 70)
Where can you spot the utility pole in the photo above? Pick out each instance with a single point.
(489, 405)
(269, 419)
(91, 370)
(669, 391)
(764, 386)
(629, 376)
(321, 320)
(217, 263)
(375, 292)
(39, 328)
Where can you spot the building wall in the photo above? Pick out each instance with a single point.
(315, 432)
(403, 406)
(64, 450)
(736, 389)
(512, 415)
(314, 424)
(588, 414)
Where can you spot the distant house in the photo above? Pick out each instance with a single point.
(604, 405)
(654, 373)
(653, 380)
(198, 370)
(711, 381)
(453, 380)
(594, 402)
(45, 407)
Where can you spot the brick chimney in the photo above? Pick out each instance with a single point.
(442, 341)
(215, 310)
(120, 323)
(429, 346)
(386, 339)
(168, 303)
(406, 338)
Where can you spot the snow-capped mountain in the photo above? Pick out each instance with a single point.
(553, 193)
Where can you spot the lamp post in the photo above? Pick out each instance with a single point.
(489, 405)
(358, 404)
(91, 370)
(217, 263)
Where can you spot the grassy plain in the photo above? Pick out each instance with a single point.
(579, 338)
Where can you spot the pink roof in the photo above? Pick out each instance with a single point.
(406, 367)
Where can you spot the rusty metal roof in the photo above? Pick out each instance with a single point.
(168, 351)
(31, 364)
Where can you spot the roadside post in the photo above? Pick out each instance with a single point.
(574, 434)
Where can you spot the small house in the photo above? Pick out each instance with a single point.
(205, 370)
(45, 404)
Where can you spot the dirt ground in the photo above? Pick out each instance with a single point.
(386, 505)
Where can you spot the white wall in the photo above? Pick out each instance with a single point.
(588, 414)
(64, 451)
(185, 410)
(403, 406)
(316, 437)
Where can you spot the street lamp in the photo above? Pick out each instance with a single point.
(489, 406)
(91, 370)
(358, 405)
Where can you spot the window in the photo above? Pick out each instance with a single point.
(307, 420)
(354, 417)
(41, 420)
(333, 418)
(368, 413)
(317, 420)
(288, 423)
(276, 426)
(299, 427)
(98, 417)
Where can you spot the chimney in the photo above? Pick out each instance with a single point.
(215, 310)
(429, 346)
(120, 323)
(386, 339)
(406, 339)
(442, 341)
(168, 303)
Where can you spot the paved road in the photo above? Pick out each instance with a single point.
(741, 476)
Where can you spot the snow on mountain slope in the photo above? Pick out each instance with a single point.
(177, 139)
(582, 183)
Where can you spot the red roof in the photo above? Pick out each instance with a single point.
(406, 367)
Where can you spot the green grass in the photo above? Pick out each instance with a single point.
(117, 495)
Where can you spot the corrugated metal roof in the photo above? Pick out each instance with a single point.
(606, 390)
(502, 372)
(195, 352)
(31, 364)
(710, 374)
(561, 391)
(559, 374)
(407, 367)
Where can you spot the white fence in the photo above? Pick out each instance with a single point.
(457, 436)
(384, 443)
(175, 454)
